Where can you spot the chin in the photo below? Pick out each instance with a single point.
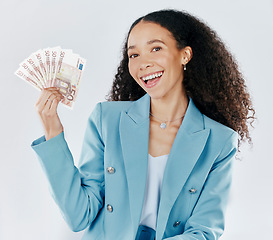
(155, 95)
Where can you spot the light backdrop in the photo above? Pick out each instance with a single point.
(96, 31)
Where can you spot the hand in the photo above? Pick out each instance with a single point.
(46, 107)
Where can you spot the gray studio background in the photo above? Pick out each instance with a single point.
(96, 31)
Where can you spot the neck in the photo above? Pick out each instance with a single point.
(171, 107)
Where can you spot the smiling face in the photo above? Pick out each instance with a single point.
(155, 62)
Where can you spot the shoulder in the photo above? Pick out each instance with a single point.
(109, 111)
(217, 128)
(106, 115)
(112, 108)
(218, 132)
(223, 138)
(116, 105)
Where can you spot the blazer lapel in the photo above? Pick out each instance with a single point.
(186, 149)
(134, 136)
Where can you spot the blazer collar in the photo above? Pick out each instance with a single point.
(139, 112)
(186, 149)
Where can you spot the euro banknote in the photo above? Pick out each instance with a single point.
(54, 67)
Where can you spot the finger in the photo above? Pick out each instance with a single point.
(49, 101)
(56, 93)
(47, 91)
(51, 88)
(44, 103)
(52, 97)
(54, 105)
(47, 105)
(45, 96)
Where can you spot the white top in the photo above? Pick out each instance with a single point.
(156, 167)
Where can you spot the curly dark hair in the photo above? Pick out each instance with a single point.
(212, 78)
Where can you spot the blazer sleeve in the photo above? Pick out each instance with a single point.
(207, 219)
(79, 193)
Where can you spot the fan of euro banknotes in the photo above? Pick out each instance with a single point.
(54, 67)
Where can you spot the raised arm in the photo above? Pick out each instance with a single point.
(78, 193)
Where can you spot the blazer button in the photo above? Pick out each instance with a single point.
(176, 223)
(192, 190)
(109, 208)
(111, 170)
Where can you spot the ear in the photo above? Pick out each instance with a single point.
(186, 55)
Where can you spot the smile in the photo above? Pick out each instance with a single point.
(150, 80)
(151, 76)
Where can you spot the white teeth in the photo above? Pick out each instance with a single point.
(152, 76)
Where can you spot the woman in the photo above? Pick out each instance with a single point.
(176, 108)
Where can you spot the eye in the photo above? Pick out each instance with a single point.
(155, 49)
(133, 55)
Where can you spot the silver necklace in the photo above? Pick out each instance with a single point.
(163, 123)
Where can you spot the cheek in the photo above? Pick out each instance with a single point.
(132, 69)
(163, 60)
(175, 64)
(133, 72)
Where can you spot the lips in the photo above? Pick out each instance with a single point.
(149, 83)
(150, 76)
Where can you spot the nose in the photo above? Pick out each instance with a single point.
(145, 64)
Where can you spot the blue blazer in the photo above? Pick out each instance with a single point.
(104, 195)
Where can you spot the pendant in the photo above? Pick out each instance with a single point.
(163, 125)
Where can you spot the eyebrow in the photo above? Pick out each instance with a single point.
(149, 42)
